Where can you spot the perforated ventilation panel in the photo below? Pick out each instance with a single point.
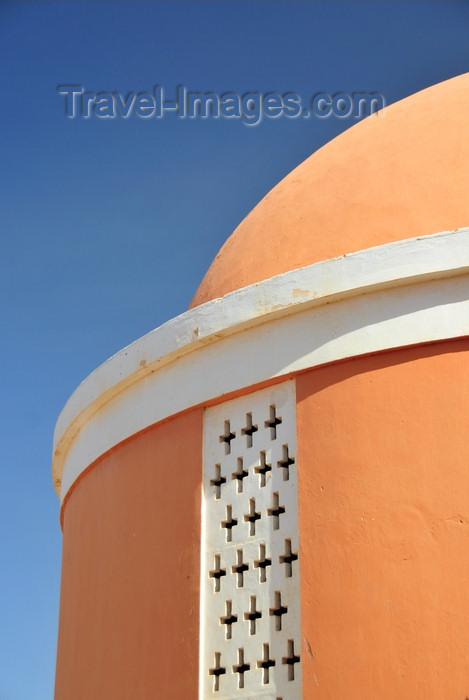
(250, 614)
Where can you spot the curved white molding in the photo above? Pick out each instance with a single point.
(395, 295)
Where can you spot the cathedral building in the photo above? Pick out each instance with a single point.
(268, 496)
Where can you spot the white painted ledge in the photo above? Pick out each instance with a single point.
(390, 296)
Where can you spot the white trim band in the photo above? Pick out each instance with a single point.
(403, 293)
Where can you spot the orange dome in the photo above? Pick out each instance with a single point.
(390, 177)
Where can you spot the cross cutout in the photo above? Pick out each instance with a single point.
(217, 671)
(239, 568)
(217, 481)
(263, 468)
(291, 660)
(252, 615)
(288, 558)
(265, 663)
(278, 610)
(262, 563)
(240, 474)
(285, 463)
(252, 516)
(217, 572)
(227, 437)
(276, 510)
(228, 619)
(241, 667)
(229, 523)
(249, 429)
(272, 423)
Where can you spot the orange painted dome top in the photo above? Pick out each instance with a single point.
(390, 177)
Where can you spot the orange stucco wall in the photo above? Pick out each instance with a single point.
(129, 612)
(384, 525)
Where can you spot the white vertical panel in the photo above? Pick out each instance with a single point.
(250, 608)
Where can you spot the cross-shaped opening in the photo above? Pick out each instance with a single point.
(217, 572)
(240, 474)
(263, 468)
(252, 516)
(265, 663)
(276, 510)
(227, 437)
(229, 523)
(278, 610)
(217, 671)
(291, 659)
(249, 429)
(240, 668)
(262, 563)
(272, 423)
(228, 619)
(287, 558)
(239, 568)
(285, 463)
(217, 481)
(252, 615)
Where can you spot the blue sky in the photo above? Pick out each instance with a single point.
(108, 225)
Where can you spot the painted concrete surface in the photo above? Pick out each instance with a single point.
(400, 294)
(384, 525)
(250, 582)
(387, 178)
(129, 611)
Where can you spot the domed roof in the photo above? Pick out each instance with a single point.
(389, 177)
